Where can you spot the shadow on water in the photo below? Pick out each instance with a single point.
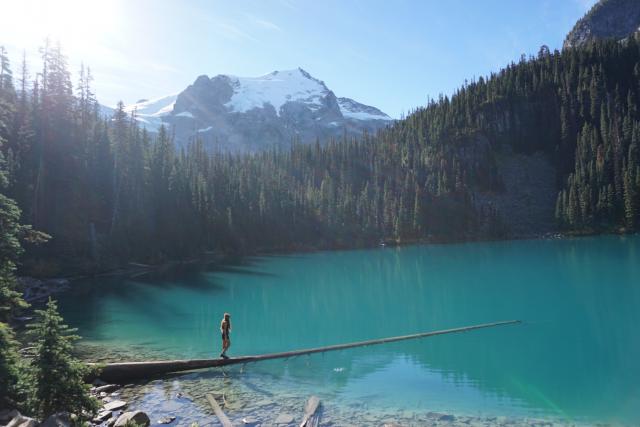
(191, 274)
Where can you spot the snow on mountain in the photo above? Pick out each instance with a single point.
(250, 113)
(150, 112)
(277, 89)
(354, 110)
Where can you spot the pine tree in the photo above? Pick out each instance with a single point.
(10, 228)
(10, 375)
(57, 378)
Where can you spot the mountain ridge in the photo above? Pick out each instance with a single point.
(234, 113)
(617, 19)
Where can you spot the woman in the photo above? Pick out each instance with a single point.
(225, 328)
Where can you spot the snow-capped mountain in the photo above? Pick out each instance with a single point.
(253, 113)
(150, 112)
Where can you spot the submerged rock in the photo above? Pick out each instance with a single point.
(138, 417)
(166, 420)
(284, 419)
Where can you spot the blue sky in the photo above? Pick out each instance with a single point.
(390, 54)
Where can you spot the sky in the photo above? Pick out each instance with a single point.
(393, 54)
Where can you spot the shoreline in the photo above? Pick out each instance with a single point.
(245, 394)
(133, 269)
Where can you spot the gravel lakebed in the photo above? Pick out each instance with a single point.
(252, 399)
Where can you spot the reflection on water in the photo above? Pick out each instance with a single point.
(574, 357)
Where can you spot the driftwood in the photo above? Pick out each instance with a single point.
(311, 416)
(123, 372)
(226, 422)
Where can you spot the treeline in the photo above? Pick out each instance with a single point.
(50, 380)
(579, 106)
(108, 191)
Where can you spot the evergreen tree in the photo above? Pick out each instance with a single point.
(10, 377)
(113, 193)
(57, 378)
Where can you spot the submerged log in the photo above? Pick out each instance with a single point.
(311, 416)
(123, 372)
(224, 420)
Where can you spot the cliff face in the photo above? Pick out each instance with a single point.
(607, 19)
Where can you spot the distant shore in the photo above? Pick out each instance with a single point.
(134, 269)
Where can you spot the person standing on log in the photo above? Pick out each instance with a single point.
(225, 328)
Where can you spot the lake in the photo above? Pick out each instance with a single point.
(575, 357)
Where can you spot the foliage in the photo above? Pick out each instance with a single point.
(111, 192)
(53, 382)
(57, 378)
(9, 368)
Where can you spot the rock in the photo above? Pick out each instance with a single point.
(502, 420)
(606, 19)
(102, 417)
(434, 415)
(111, 421)
(138, 417)
(166, 420)
(22, 421)
(62, 419)
(446, 417)
(7, 415)
(107, 388)
(264, 403)
(115, 405)
(250, 421)
(284, 419)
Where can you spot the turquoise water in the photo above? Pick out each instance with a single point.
(575, 357)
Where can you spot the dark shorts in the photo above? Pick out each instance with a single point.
(225, 336)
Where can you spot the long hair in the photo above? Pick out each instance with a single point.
(227, 318)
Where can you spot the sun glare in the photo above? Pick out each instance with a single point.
(77, 24)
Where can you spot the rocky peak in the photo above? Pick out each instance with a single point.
(235, 113)
(615, 19)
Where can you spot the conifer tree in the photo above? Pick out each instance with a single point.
(10, 378)
(57, 378)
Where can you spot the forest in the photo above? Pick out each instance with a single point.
(109, 192)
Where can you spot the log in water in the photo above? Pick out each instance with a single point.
(126, 371)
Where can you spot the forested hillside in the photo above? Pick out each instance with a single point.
(108, 192)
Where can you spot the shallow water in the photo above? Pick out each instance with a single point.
(574, 358)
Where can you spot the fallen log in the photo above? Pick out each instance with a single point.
(224, 420)
(311, 416)
(122, 372)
